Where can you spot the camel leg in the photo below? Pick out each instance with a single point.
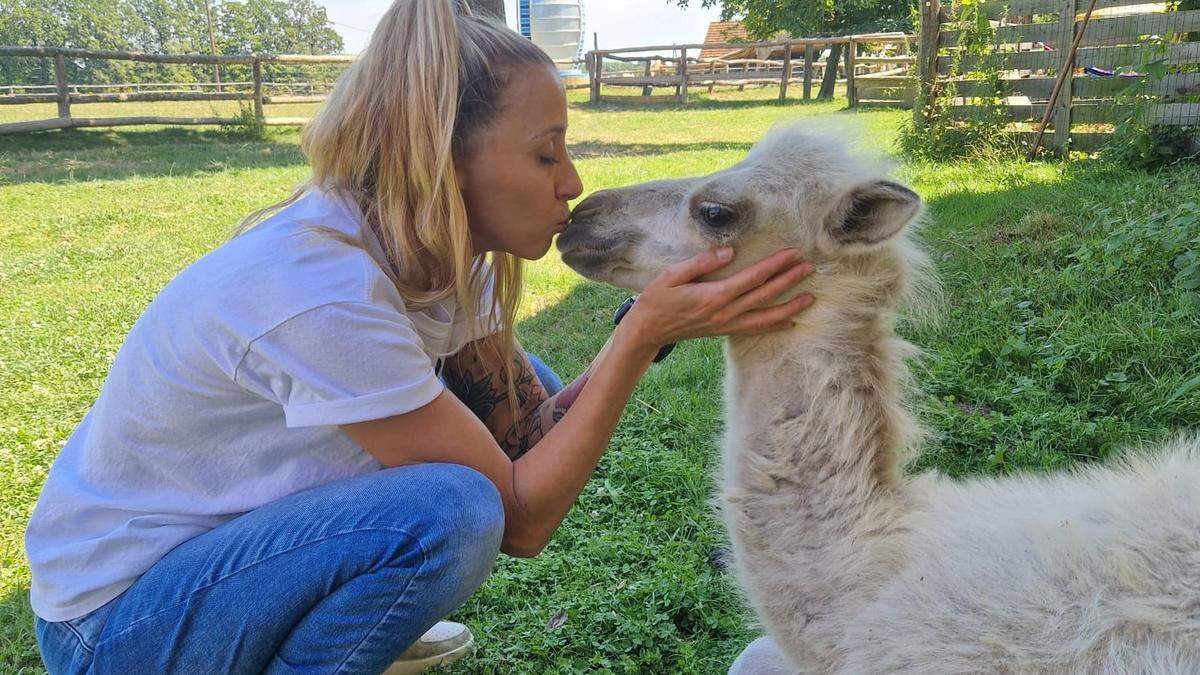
(761, 657)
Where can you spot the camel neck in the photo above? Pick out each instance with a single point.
(813, 425)
(822, 399)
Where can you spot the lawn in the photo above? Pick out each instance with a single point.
(1068, 329)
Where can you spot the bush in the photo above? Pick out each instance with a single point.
(942, 133)
(1149, 147)
(247, 125)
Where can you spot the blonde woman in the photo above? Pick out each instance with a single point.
(315, 441)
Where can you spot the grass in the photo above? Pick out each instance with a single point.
(1048, 353)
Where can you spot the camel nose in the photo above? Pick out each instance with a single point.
(595, 203)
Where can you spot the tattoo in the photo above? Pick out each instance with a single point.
(526, 382)
(523, 435)
(566, 398)
(476, 391)
(482, 385)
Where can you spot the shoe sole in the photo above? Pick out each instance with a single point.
(421, 665)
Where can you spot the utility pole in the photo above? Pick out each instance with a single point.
(492, 8)
(212, 42)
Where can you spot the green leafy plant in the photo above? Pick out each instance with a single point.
(1138, 141)
(246, 124)
(945, 132)
(1167, 243)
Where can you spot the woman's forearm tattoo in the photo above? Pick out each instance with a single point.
(483, 387)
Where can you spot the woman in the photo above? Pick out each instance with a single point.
(275, 476)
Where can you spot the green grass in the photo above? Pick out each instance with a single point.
(1047, 353)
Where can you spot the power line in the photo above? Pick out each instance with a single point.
(343, 25)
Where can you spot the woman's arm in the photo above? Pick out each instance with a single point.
(477, 377)
(539, 488)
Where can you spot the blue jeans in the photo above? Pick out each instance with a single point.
(548, 377)
(337, 579)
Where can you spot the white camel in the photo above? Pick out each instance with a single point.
(851, 566)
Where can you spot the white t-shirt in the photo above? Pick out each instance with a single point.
(227, 394)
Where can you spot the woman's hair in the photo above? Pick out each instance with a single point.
(390, 135)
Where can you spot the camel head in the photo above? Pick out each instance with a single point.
(793, 189)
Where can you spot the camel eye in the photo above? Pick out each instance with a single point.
(716, 216)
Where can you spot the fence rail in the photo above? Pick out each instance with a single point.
(1030, 48)
(797, 62)
(64, 94)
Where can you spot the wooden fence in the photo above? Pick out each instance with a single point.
(879, 77)
(1032, 40)
(64, 94)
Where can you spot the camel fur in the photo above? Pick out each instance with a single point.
(852, 566)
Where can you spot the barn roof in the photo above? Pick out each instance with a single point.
(724, 31)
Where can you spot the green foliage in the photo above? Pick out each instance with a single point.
(158, 26)
(247, 125)
(1142, 248)
(764, 19)
(1139, 144)
(944, 131)
(1152, 146)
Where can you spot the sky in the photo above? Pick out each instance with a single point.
(618, 23)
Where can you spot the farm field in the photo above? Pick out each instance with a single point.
(1067, 329)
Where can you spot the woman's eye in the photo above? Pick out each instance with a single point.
(716, 215)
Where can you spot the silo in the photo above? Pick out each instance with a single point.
(557, 27)
(554, 25)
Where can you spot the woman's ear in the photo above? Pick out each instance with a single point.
(872, 212)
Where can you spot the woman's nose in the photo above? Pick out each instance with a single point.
(571, 186)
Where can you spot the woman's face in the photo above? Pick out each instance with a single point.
(518, 177)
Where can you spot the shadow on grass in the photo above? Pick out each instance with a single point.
(569, 333)
(106, 154)
(18, 646)
(698, 102)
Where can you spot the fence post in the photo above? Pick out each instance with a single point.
(683, 76)
(851, 94)
(1062, 107)
(927, 50)
(647, 89)
(808, 70)
(597, 73)
(256, 66)
(787, 72)
(62, 88)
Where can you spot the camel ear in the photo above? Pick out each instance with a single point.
(872, 212)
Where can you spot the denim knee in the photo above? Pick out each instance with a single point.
(464, 524)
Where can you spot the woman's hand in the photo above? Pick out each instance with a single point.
(675, 307)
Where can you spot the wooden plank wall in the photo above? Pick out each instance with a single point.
(1032, 38)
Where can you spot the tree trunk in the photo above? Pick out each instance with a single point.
(831, 67)
(493, 8)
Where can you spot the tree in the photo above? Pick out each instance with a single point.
(275, 27)
(83, 24)
(764, 19)
(157, 26)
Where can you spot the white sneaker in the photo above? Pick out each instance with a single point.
(446, 642)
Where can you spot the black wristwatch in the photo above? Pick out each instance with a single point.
(664, 352)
